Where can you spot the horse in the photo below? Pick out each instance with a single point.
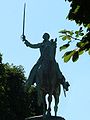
(47, 81)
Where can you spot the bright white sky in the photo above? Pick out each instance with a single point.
(45, 16)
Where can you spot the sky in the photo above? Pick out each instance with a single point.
(45, 16)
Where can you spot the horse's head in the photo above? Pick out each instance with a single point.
(66, 85)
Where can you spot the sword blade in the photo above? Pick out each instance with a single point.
(24, 19)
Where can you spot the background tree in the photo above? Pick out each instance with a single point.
(15, 102)
(79, 12)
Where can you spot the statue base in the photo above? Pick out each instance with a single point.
(45, 118)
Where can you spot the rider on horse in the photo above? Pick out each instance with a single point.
(31, 79)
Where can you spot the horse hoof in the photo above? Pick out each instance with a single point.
(48, 114)
(44, 116)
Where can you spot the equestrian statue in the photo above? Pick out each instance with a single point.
(46, 73)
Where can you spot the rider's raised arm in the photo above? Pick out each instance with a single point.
(28, 44)
(35, 45)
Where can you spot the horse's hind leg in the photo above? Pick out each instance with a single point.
(44, 105)
(49, 107)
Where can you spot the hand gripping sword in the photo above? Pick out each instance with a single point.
(23, 36)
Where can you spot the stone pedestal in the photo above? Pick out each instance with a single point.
(45, 118)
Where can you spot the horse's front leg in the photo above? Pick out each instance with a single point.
(56, 104)
(49, 107)
(44, 105)
(56, 96)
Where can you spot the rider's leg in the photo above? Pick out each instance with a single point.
(30, 81)
(32, 74)
(61, 78)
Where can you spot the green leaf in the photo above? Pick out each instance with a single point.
(76, 32)
(88, 25)
(80, 52)
(64, 38)
(75, 56)
(71, 33)
(68, 37)
(81, 34)
(89, 51)
(67, 56)
(64, 47)
(63, 31)
(76, 10)
(80, 44)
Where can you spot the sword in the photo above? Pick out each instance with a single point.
(64, 92)
(23, 36)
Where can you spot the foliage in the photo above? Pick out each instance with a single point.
(12, 95)
(82, 44)
(35, 109)
(79, 12)
(0, 58)
(15, 102)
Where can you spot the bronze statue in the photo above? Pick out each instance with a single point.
(46, 73)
